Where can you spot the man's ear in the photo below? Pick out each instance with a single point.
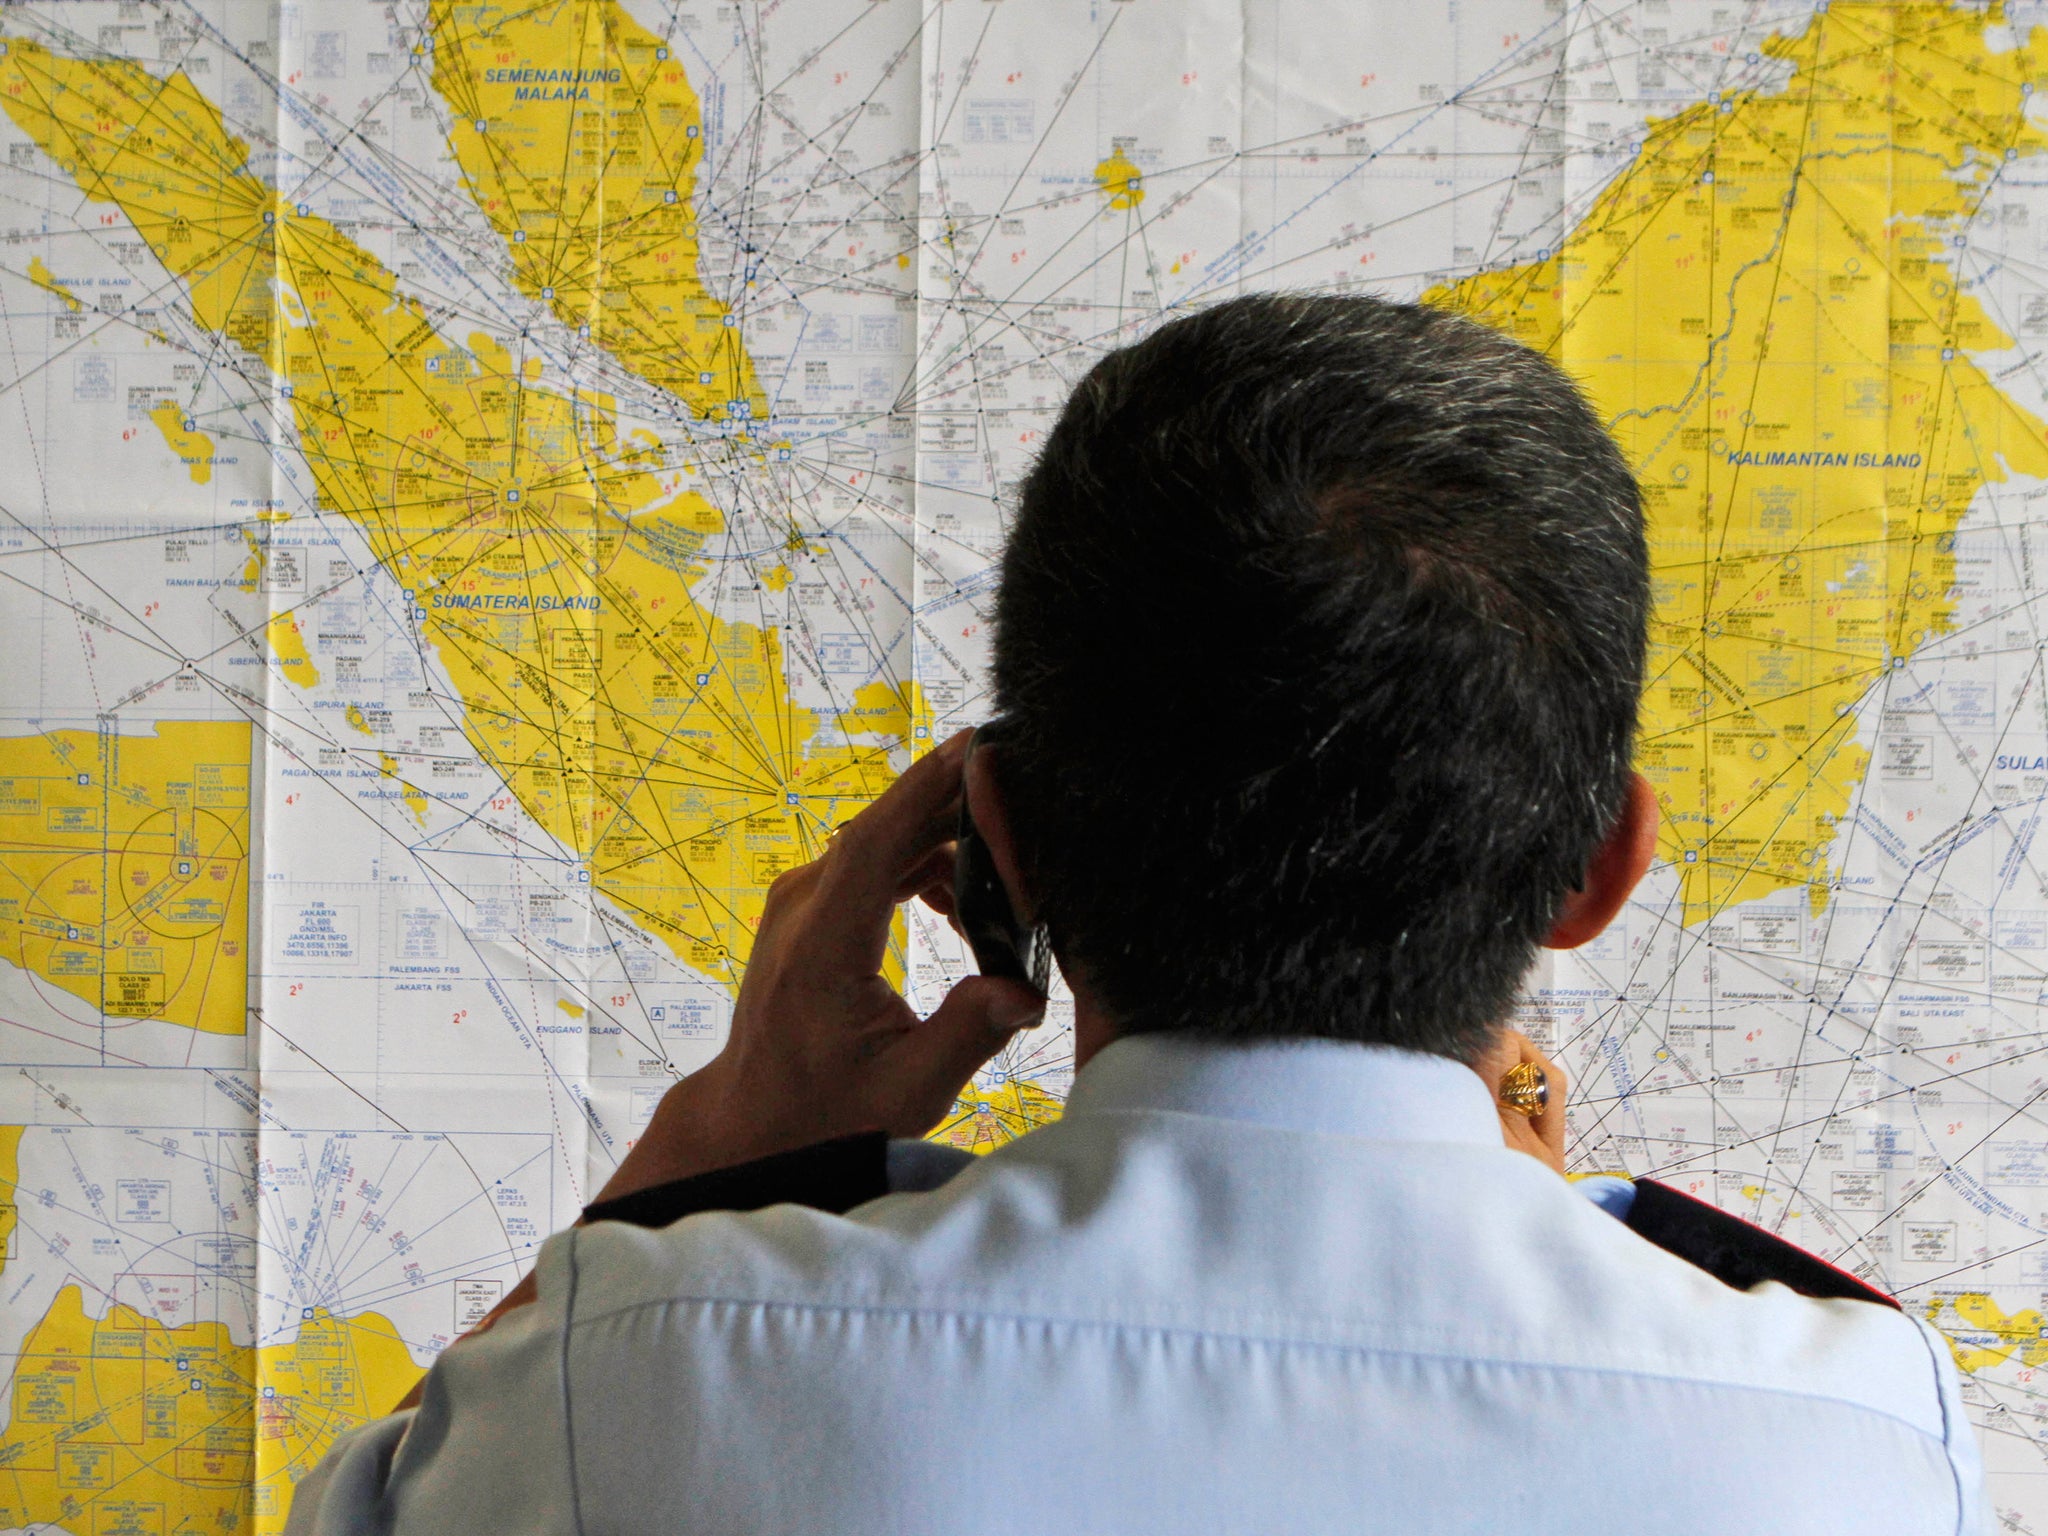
(1616, 867)
(992, 819)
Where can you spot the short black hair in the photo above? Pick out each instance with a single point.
(1319, 641)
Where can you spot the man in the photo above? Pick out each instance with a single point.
(1318, 645)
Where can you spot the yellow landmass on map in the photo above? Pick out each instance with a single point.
(124, 871)
(579, 136)
(415, 799)
(124, 1425)
(335, 1374)
(10, 1162)
(1760, 309)
(1982, 1334)
(46, 280)
(193, 448)
(289, 644)
(984, 1118)
(895, 710)
(550, 565)
(121, 1424)
(1120, 180)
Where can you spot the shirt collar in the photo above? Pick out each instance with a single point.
(1334, 1087)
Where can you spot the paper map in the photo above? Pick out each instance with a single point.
(485, 488)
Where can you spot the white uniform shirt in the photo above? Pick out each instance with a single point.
(1291, 1287)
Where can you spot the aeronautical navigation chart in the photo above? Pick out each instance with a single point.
(485, 488)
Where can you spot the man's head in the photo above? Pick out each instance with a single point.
(1321, 631)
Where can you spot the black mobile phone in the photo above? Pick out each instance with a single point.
(1003, 944)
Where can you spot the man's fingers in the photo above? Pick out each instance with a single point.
(873, 854)
(934, 1061)
(1550, 1124)
(931, 881)
(934, 869)
(869, 851)
(1540, 1135)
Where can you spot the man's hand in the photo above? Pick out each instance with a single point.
(821, 1044)
(1541, 1136)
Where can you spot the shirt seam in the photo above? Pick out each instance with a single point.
(1097, 1325)
(1278, 1325)
(568, 1397)
(1948, 1429)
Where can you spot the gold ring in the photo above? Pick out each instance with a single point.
(1525, 1089)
